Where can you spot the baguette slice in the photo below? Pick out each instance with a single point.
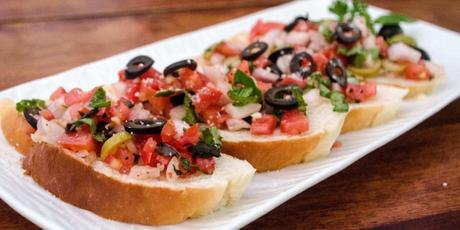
(378, 110)
(94, 186)
(277, 151)
(415, 88)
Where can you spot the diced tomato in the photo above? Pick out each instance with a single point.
(320, 62)
(132, 91)
(58, 93)
(77, 141)
(206, 165)
(168, 132)
(113, 162)
(330, 51)
(293, 80)
(148, 150)
(244, 67)
(191, 135)
(160, 105)
(382, 45)
(263, 126)
(417, 71)
(361, 92)
(337, 144)
(294, 122)
(120, 110)
(46, 113)
(263, 86)
(126, 158)
(191, 80)
(261, 28)
(306, 26)
(225, 49)
(261, 62)
(77, 95)
(214, 115)
(205, 97)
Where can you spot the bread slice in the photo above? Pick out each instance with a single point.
(378, 110)
(94, 186)
(277, 151)
(415, 87)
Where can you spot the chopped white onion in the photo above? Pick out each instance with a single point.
(239, 112)
(402, 52)
(237, 124)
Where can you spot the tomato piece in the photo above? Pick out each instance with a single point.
(261, 28)
(263, 86)
(206, 165)
(294, 122)
(113, 162)
(214, 115)
(225, 49)
(148, 150)
(293, 80)
(205, 97)
(321, 62)
(160, 105)
(244, 67)
(261, 62)
(132, 91)
(46, 113)
(58, 93)
(264, 126)
(417, 71)
(126, 158)
(191, 80)
(361, 92)
(382, 45)
(191, 136)
(120, 110)
(77, 95)
(168, 132)
(77, 141)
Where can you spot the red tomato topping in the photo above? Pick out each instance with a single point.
(382, 45)
(206, 165)
(126, 158)
(191, 136)
(132, 91)
(205, 97)
(263, 86)
(321, 62)
(46, 113)
(244, 67)
(294, 122)
(148, 151)
(120, 110)
(77, 141)
(261, 28)
(192, 80)
(261, 62)
(225, 49)
(293, 80)
(168, 132)
(361, 92)
(77, 95)
(263, 126)
(213, 115)
(58, 93)
(417, 71)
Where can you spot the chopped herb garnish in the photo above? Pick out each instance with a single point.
(302, 106)
(244, 90)
(339, 8)
(30, 103)
(210, 136)
(327, 33)
(92, 126)
(186, 164)
(190, 116)
(316, 80)
(98, 100)
(338, 101)
(346, 12)
(358, 54)
(392, 19)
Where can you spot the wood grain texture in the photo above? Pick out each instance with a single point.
(398, 186)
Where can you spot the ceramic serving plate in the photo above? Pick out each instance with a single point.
(267, 190)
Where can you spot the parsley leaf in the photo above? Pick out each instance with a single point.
(393, 19)
(190, 116)
(210, 136)
(99, 100)
(338, 101)
(29, 103)
(316, 80)
(302, 106)
(327, 33)
(358, 54)
(244, 90)
(339, 8)
(93, 128)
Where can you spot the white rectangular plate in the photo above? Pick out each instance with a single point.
(267, 190)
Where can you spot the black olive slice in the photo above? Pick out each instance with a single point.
(177, 99)
(275, 69)
(281, 97)
(203, 150)
(29, 115)
(166, 150)
(297, 64)
(347, 34)
(388, 31)
(425, 55)
(145, 126)
(90, 113)
(337, 72)
(172, 69)
(138, 66)
(279, 53)
(254, 50)
(292, 25)
(248, 119)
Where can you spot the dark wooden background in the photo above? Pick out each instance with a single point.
(412, 182)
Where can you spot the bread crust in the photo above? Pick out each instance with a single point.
(273, 154)
(74, 181)
(15, 128)
(361, 117)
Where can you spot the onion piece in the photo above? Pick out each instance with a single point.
(237, 124)
(402, 52)
(265, 75)
(239, 112)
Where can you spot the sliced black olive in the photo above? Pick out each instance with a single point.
(297, 64)
(90, 113)
(128, 103)
(177, 99)
(172, 69)
(337, 72)
(166, 150)
(275, 69)
(254, 50)
(281, 97)
(347, 33)
(203, 150)
(388, 31)
(425, 55)
(279, 53)
(138, 66)
(292, 25)
(248, 119)
(145, 126)
(29, 115)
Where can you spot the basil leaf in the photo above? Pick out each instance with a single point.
(190, 116)
(393, 19)
(186, 164)
(302, 106)
(98, 100)
(210, 136)
(338, 101)
(339, 8)
(244, 90)
(93, 128)
(29, 103)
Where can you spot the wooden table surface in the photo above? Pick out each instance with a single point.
(412, 182)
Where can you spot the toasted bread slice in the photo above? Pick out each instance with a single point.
(378, 110)
(415, 87)
(277, 151)
(15, 128)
